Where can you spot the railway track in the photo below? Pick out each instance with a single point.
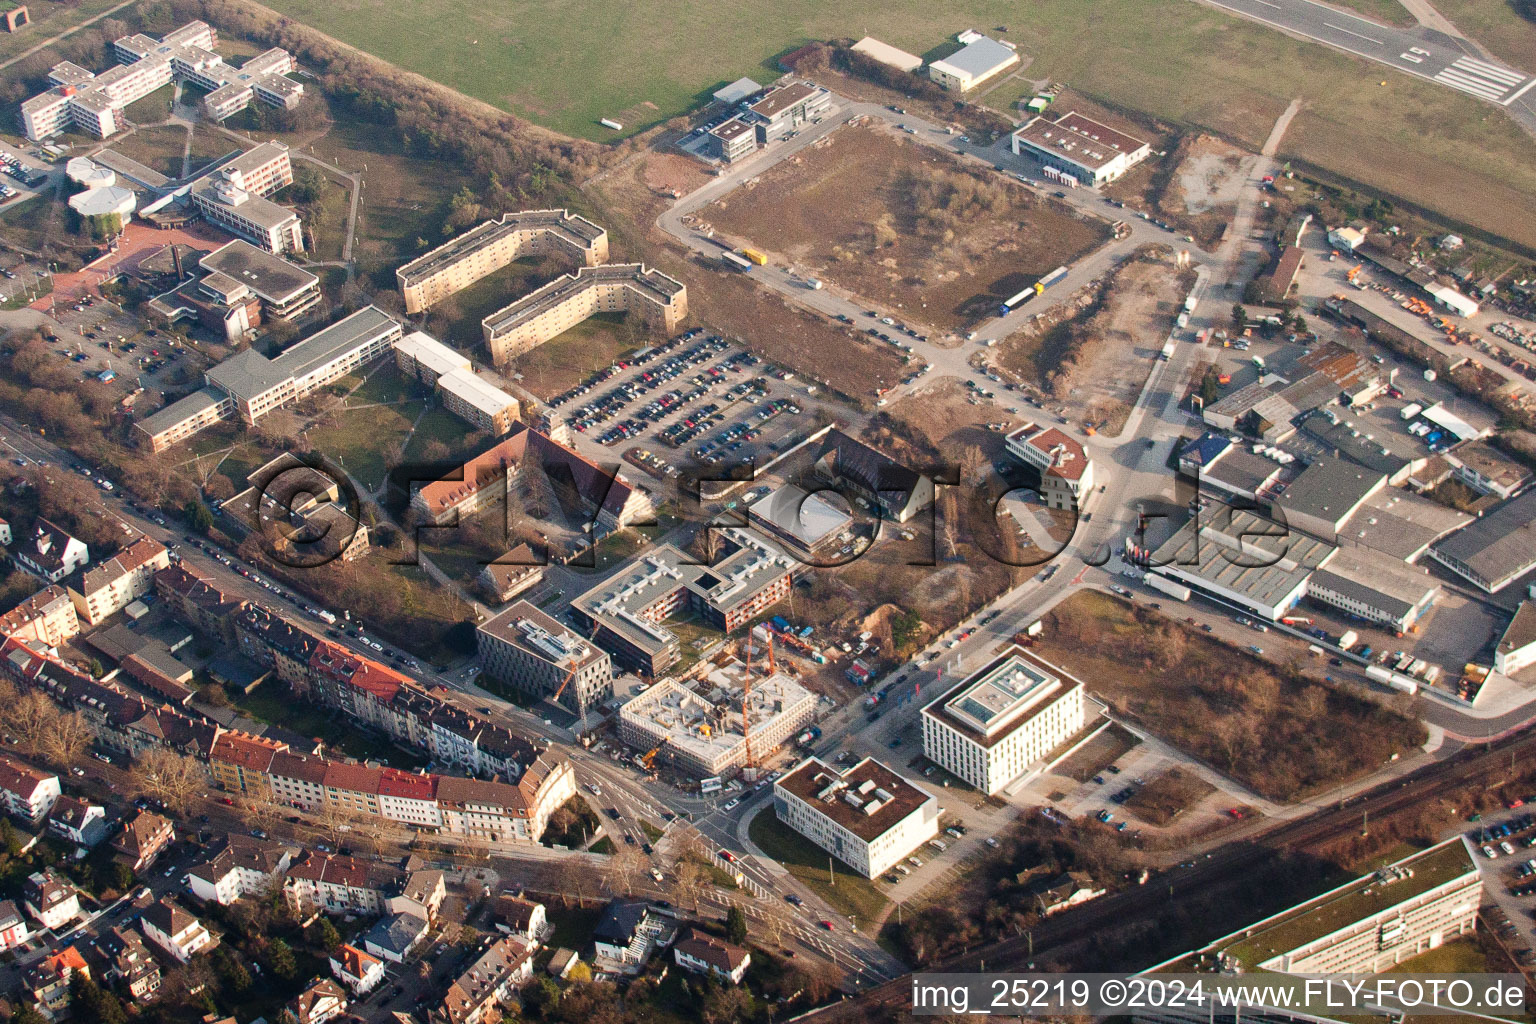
(1224, 868)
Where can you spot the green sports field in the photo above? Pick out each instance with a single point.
(565, 64)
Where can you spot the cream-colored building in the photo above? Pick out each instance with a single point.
(463, 392)
(868, 817)
(485, 249)
(989, 728)
(102, 589)
(658, 300)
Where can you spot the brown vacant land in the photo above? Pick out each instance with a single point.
(1280, 733)
(905, 225)
(1102, 354)
(1169, 795)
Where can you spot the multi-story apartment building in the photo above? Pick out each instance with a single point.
(486, 985)
(249, 385)
(476, 401)
(1066, 471)
(626, 612)
(608, 496)
(142, 839)
(532, 653)
(48, 617)
(94, 103)
(656, 299)
(129, 963)
(340, 885)
(50, 898)
(106, 588)
(237, 867)
(868, 817)
(179, 934)
(487, 248)
(232, 196)
(28, 793)
(242, 763)
(989, 728)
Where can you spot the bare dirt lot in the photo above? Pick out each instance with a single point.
(904, 225)
(940, 422)
(816, 348)
(1169, 795)
(1101, 356)
(1278, 731)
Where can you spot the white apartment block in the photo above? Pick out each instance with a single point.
(993, 725)
(868, 817)
(488, 247)
(240, 867)
(463, 392)
(105, 588)
(94, 103)
(48, 617)
(27, 793)
(232, 196)
(633, 288)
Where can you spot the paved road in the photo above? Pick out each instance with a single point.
(1419, 51)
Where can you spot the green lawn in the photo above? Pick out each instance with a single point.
(1460, 957)
(363, 439)
(846, 892)
(154, 107)
(603, 845)
(1497, 25)
(438, 424)
(566, 65)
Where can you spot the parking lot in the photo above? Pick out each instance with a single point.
(1505, 845)
(101, 336)
(694, 398)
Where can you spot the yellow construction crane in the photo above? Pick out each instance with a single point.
(648, 759)
(572, 673)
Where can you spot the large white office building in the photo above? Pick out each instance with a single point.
(868, 817)
(989, 728)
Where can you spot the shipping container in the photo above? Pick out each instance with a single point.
(755, 256)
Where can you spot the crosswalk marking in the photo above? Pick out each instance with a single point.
(1482, 79)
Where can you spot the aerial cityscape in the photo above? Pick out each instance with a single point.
(830, 513)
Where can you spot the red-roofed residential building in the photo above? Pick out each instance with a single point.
(408, 797)
(241, 763)
(357, 970)
(340, 885)
(27, 793)
(1066, 471)
(47, 617)
(47, 982)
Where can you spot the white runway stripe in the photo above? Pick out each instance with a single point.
(1489, 70)
(1472, 83)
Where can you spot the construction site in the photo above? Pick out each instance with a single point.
(731, 717)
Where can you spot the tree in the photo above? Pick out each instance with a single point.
(170, 778)
(623, 866)
(31, 717)
(1300, 324)
(68, 738)
(28, 1014)
(1239, 316)
(735, 924)
(280, 959)
(579, 972)
(197, 514)
(324, 934)
(690, 880)
(468, 937)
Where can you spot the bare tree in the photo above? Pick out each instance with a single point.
(261, 810)
(171, 778)
(690, 882)
(67, 740)
(30, 717)
(622, 868)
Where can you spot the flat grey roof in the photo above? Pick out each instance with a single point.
(1330, 489)
(979, 57)
(1243, 470)
(1400, 523)
(249, 373)
(1375, 579)
(1243, 552)
(1350, 443)
(1499, 546)
(271, 277)
(577, 228)
(163, 419)
(808, 518)
(737, 91)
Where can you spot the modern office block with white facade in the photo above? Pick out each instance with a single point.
(989, 728)
(868, 817)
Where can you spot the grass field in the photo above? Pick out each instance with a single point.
(1497, 25)
(844, 891)
(154, 107)
(362, 437)
(571, 357)
(48, 20)
(567, 65)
